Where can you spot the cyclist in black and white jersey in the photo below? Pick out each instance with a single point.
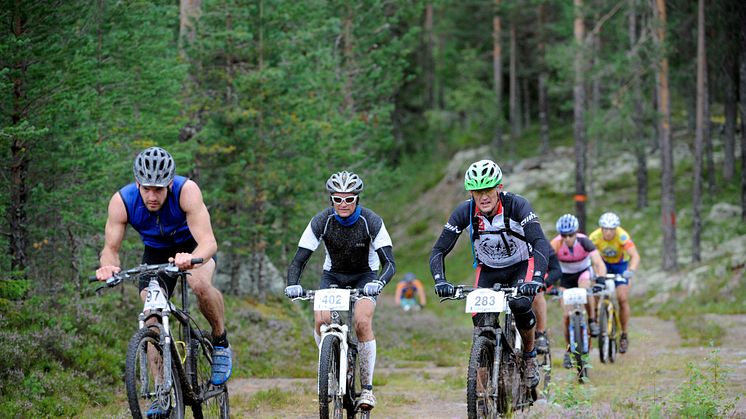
(358, 254)
(509, 247)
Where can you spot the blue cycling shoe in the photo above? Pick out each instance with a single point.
(157, 411)
(222, 365)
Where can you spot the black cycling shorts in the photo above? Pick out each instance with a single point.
(357, 280)
(159, 255)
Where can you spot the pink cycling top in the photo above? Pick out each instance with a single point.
(574, 259)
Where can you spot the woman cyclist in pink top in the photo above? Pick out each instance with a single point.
(576, 254)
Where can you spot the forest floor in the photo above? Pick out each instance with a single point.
(651, 379)
(645, 379)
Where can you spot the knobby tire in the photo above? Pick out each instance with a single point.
(578, 351)
(604, 340)
(328, 381)
(141, 375)
(479, 382)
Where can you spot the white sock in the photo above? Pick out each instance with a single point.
(367, 358)
(316, 337)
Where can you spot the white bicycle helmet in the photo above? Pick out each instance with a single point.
(609, 220)
(154, 166)
(344, 182)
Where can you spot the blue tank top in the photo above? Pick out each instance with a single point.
(166, 227)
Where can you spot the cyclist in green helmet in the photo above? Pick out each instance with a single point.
(508, 244)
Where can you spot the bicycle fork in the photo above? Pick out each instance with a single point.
(340, 331)
(164, 332)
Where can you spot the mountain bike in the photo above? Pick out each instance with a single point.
(338, 386)
(608, 318)
(169, 367)
(496, 383)
(577, 298)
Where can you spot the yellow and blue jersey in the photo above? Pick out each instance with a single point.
(615, 250)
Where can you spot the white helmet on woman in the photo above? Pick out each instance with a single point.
(609, 220)
(344, 182)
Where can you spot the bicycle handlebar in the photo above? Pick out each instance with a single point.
(132, 273)
(308, 295)
(463, 290)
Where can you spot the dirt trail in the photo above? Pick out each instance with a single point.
(647, 375)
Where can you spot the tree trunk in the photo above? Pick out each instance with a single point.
(742, 100)
(730, 70)
(543, 91)
(514, 111)
(497, 76)
(579, 115)
(349, 61)
(526, 100)
(639, 111)
(668, 199)
(709, 158)
(189, 13)
(699, 135)
(19, 162)
(429, 61)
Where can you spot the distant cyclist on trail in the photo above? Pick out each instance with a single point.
(174, 224)
(620, 255)
(507, 240)
(410, 293)
(577, 255)
(357, 245)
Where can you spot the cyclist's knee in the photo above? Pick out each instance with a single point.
(524, 315)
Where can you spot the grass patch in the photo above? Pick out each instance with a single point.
(698, 331)
(274, 398)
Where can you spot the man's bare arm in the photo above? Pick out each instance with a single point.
(198, 219)
(116, 224)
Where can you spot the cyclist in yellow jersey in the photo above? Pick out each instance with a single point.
(620, 255)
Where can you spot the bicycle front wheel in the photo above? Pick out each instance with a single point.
(604, 342)
(480, 384)
(212, 401)
(330, 404)
(579, 330)
(146, 378)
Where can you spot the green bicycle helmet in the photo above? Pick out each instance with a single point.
(482, 174)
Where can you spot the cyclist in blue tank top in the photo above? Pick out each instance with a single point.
(169, 213)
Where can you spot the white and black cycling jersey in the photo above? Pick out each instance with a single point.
(511, 236)
(349, 249)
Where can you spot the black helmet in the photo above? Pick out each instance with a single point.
(154, 167)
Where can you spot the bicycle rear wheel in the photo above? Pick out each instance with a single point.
(212, 401)
(145, 377)
(330, 404)
(480, 387)
(604, 344)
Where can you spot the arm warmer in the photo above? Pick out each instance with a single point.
(295, 270)
(555, 271)
(442, 247)
(388, 267)
(542, 249)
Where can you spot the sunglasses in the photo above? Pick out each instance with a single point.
(347, 200)
(568, 235)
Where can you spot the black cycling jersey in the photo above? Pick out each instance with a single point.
(498, 243)
(365, 246)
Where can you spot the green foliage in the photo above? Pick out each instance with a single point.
(705, 394)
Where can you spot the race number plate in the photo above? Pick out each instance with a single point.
(610, 285)
(485, 300)
(155, 299)
(572, 296)
(332, 299)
